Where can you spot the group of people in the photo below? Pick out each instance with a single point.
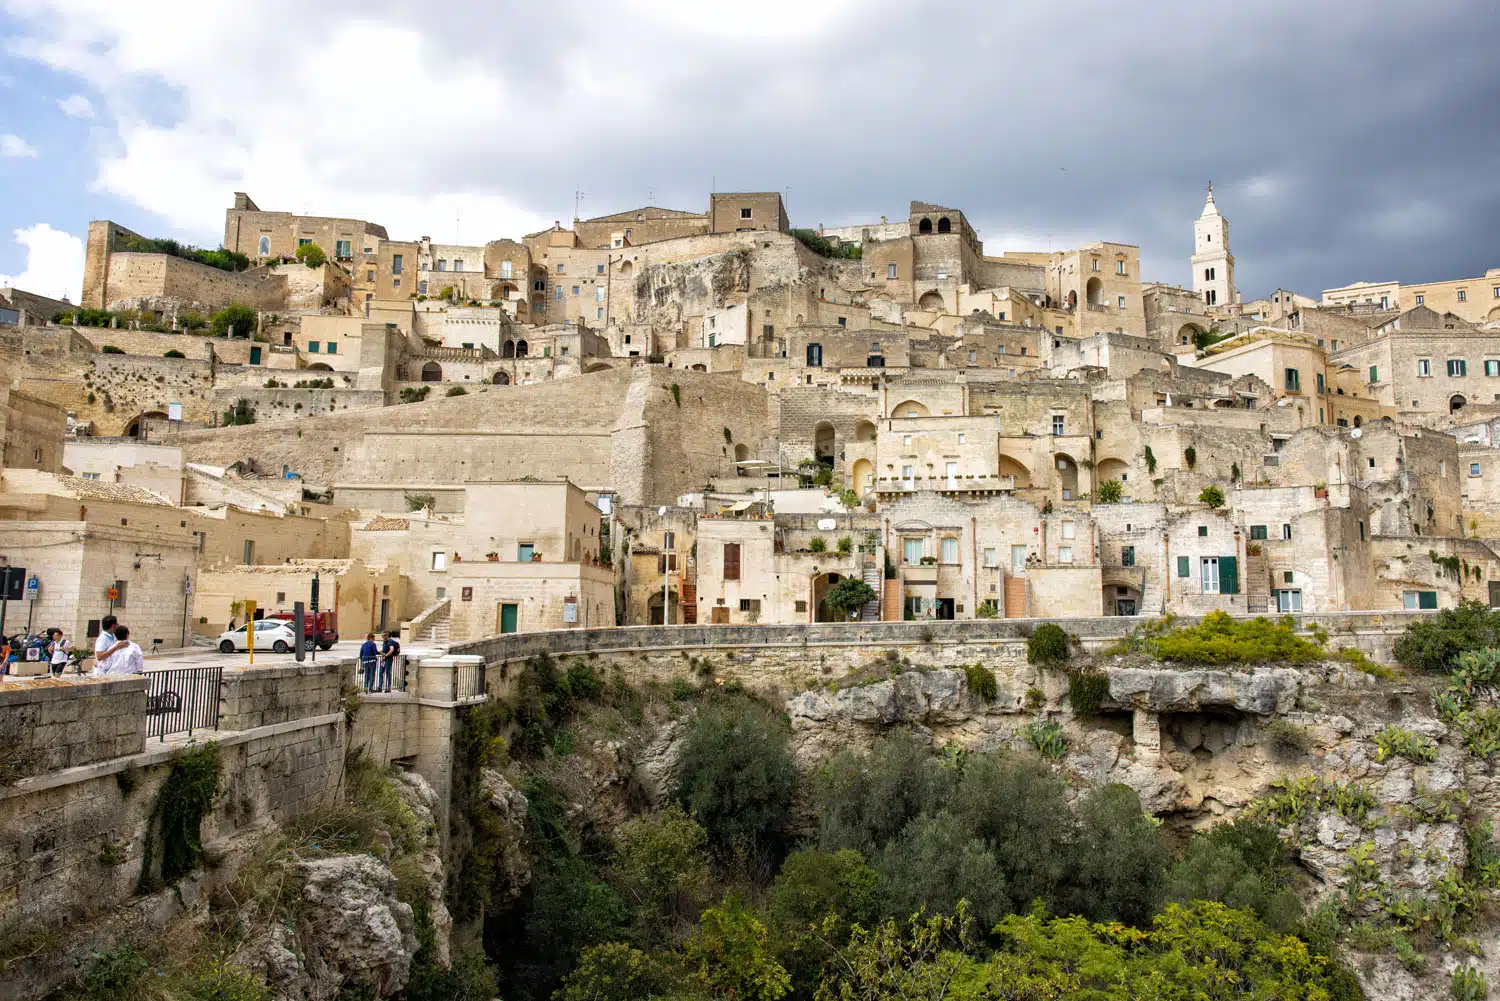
(114, 651)
(384, 655)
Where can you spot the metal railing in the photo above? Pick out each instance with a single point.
(181, 700)
(399, 674)
(468, 682)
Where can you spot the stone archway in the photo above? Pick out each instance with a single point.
(1067, 474)
(522, 349)
(1456, 402)
(1015, 467)
(1094, 292)
(819, 586)
(924, 227)
(944, 225)
(910, 408)
(863, 476)
(1112, 469)
(508, 349)
(864, 431)
(500, 379)
(825, 443)
(432, 372)
(932, 302)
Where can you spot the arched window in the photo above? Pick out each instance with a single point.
(520, 349)
(508, 349)
(265, 246)
(925, 226)
(944, 226)
(432, 372)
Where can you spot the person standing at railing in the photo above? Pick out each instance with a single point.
(124, 657)
(369, 653)
(389, 651)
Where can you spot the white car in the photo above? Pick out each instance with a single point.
(270, 634)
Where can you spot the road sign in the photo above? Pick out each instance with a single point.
(187, 585)
(112, 593)
(33, 587)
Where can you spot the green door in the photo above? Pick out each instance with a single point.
(508, 618)
(1229, 575)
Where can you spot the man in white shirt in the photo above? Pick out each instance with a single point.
(124, 657)
(103, 642)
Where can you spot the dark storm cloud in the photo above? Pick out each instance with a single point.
(1346, 141)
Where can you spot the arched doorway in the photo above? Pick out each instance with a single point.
(863, 476)
(508, 349)
(924, 227)
(432, 372)
(864, 431)
(824, 443)
(137, 427)
(1358, 421)
(1094, 292)
(944, 226)
(741, 454)
(1112, 469)
(500, 379)
(1067, 475)
(1188, 332)
(521, 349)
(931, 302)
(1016, 468)
(653, 608)
(1456, 403)
(910, 408)
(319, 366)
(1073, 299)
(821, 585)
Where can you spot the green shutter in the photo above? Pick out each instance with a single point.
(1229, 575)
(1183, 567)
(1374, 372)
(1426, 599)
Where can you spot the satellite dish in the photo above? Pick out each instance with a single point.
(827, 524)
(1356, 432)
(661, 512)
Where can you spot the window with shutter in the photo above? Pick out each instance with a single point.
(731, 561)
(1184, 567)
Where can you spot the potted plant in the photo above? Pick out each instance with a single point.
(458, 558)
(1320, 491)
(536, 557)
(492, 557)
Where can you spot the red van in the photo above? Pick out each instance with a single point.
(324, 632)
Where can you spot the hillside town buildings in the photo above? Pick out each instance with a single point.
(685, 416)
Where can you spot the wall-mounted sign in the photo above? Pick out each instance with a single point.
(467, 594)
(174, 411)
(112, 593)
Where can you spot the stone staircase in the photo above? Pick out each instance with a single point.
(430, 626)
(873, 577)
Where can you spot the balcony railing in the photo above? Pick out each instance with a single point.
(181, 700)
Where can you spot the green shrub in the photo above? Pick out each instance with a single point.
(312, 255)
(1288, 740)
(865, 800)
(848, 596)
(192, 320)
(1110, 492)
(846, 545)
(936, 862)
(1221, 639)
(1212, 496)
(1355, 657)
(1150, 460)
(817, 544)
(456, 391)
(1398, 742)
(1190, 456)
(1244, 864)
(1048, 646)
(981, 682)
(1046, 739)
(174, 353)
(224, 260)
(1468, 984)
(420, 502)
(110, 349)
(1087, 690)
(415, 394)
(1291, 801)
(824, 247)
(241, 413)
(234, 320)
(1434, 644)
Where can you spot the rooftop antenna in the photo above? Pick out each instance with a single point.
(650, 196)
(456, 240)
(577, 197)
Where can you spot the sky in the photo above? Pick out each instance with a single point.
(1345, 140)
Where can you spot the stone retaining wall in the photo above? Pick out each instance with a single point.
(47, 725)
(262, 696)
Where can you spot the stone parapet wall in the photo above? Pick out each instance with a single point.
(47, 725)
(263, 696)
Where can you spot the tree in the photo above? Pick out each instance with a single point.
(732, 956)
(919, 961)
(814, 884)
(661, 866)
(865, 800)
(1020, 808)
(234, 320)
(1243, 864)
(848, 596)
(312, 255)
(614, 972)
(1110, 492)
(735, 775)
(937, 862)
(1212, 496)
(1122, 858)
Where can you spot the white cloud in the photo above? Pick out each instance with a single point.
(54, 263)
(15, 146)
(76, 106)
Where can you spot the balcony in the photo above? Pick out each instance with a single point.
(919, 573)
(1098, 307)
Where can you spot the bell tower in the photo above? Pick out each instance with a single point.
(1213, 264)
